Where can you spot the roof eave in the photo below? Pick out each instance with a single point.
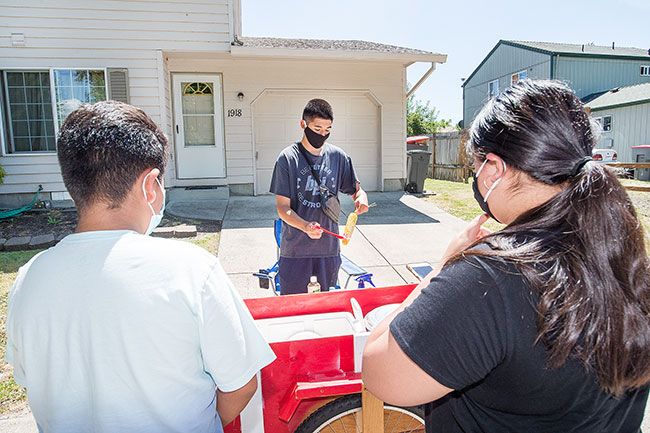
(321, 54)
(504, 42)
(619, 105)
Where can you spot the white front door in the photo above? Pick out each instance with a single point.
(198, 126)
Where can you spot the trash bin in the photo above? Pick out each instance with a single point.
(418, 166)
(641, 154)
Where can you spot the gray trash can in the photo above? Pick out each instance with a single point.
(418, 166)
(641, 154)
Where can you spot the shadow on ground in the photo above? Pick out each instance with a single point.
(259, 212)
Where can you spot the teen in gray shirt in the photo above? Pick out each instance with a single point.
(304, 251)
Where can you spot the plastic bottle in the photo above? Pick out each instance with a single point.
(314, 285)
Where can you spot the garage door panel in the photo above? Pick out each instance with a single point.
(268, 130)
(356, 130)
(367, 177)
(272, 104)
(362, 129)
(360, 104)
(264, 174)
(266, 157)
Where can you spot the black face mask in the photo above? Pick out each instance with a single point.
(314, 138)
(479, 197)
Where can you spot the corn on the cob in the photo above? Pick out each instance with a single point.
(349, 227)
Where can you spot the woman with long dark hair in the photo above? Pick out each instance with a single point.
(543, 326)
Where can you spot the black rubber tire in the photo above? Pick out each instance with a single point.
(411, 188)
(342, 405)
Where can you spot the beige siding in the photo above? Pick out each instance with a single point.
(105, 34)
(630, 127)
(252, 77)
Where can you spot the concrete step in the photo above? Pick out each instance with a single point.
(197, 194)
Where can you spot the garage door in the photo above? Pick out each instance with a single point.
(356, 129)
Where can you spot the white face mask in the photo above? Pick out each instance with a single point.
(155, 218)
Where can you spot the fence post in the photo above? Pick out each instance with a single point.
(433, 156)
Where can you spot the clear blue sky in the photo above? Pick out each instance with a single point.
(464, 30)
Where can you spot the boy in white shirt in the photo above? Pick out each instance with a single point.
(112, 330)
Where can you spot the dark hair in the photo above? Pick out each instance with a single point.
(104, 147)
(583, 250)
(318, 108)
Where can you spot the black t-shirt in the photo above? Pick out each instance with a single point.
(473, 329)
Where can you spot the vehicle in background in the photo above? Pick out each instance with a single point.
(604, 155)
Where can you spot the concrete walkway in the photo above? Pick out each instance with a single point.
(400, 229)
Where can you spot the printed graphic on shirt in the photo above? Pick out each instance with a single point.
(311, 185)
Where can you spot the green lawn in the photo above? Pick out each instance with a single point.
(458, 199)
(12, 396)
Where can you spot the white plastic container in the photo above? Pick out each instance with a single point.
(307, 326)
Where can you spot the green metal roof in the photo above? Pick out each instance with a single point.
(583, 49)
(573, 50)
(620, 97)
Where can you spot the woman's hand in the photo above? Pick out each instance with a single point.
(473, 232)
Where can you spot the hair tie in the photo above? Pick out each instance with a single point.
(576, 168)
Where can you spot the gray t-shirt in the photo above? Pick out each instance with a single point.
(292, 178)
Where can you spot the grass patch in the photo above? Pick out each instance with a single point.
(12, 396)
(457, 199)
(208, 241)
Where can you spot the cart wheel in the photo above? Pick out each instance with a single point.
(411, 187)
(343, 415)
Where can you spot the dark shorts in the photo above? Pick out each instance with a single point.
(294, 273)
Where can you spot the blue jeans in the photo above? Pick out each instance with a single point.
(295, 272)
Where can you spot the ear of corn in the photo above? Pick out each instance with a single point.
(349, 227)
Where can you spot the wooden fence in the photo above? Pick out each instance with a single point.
(448, 157)
(449, 160)
(634, 165)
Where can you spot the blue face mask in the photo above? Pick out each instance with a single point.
(155, 218)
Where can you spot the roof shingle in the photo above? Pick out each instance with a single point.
(328, 44)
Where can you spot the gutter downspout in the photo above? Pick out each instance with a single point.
(421, 80)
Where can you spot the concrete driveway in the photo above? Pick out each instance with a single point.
(400, 229)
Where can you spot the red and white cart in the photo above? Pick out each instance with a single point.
(315, 384)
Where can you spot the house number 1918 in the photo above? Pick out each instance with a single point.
(234, 112)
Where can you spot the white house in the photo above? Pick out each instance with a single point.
(228, 103)
(624, 115)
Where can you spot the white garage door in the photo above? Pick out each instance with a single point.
(356, 129)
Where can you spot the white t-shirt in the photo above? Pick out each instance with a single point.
(114, 331)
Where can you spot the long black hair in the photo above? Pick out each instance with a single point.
(582, 251)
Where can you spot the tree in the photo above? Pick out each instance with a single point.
(422, 119)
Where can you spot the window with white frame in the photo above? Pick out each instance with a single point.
(645, 70)
(32, 111)
(605, 123)
(74, 87)
(521, 75)
(493, 88)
